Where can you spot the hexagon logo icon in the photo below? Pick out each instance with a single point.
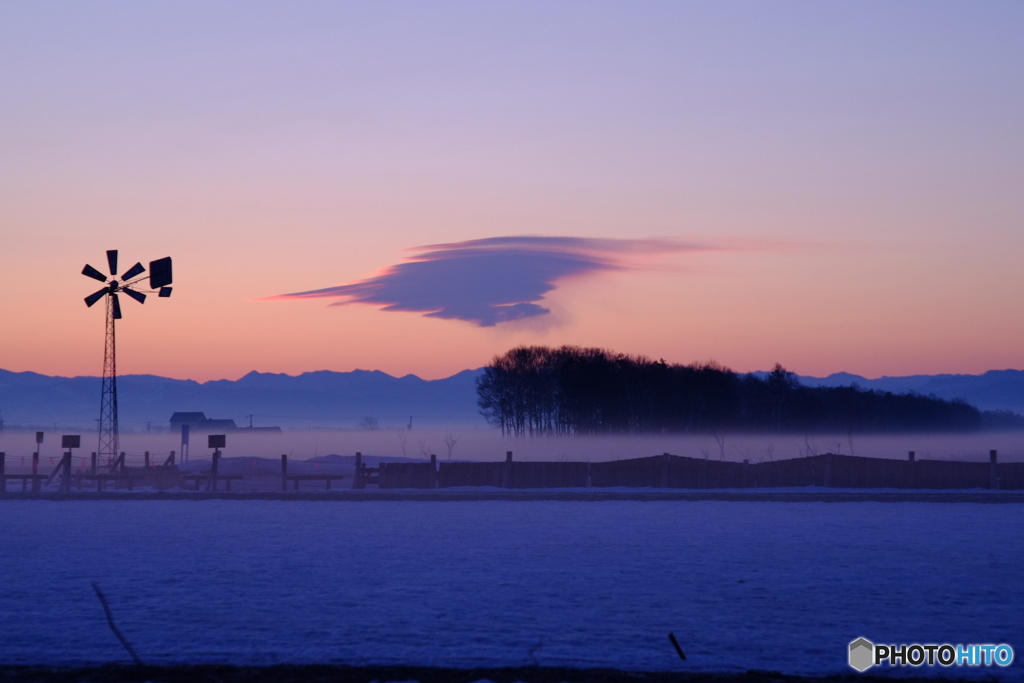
(862, 654)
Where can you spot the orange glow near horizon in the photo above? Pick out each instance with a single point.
(862, 210)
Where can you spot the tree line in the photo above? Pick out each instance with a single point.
(538, 390)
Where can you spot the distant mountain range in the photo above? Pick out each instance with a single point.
(344, 399)
(312, 399)
(994, 390)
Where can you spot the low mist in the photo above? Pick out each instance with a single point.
(484, 445)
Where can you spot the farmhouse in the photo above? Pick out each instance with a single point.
(198, 422)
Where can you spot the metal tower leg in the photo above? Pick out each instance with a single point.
(108, 436)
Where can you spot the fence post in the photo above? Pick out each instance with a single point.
(146, 460)
(65, 475)
(3, 482)
(357, 478)
(506, 474)
(993, 471)
(284, 471)
(214, 466)
(432, 483)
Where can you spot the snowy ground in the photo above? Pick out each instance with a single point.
(773, 586)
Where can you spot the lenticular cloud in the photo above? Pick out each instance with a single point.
(490, 281)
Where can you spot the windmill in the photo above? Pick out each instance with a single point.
(129, 284)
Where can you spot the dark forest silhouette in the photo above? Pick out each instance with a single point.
(537, 390)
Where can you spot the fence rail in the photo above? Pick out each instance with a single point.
(674, 471)
(665, 471)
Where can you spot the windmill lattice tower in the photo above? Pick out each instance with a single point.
(129, 284)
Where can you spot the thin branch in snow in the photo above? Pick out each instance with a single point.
(113, 626)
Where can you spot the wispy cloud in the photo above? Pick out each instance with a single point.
(495, 280)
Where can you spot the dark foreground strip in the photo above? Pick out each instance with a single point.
(582, 495)
(383, 674)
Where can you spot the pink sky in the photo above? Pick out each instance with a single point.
(853, 167)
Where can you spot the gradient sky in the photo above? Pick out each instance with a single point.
(833, 186)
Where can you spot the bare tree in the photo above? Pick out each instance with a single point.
(449, 441)
(368, 424)
(720, 440)
(402, 438)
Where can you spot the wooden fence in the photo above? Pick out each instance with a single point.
(659, 471)
(673, 471)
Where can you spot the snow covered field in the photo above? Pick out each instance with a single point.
(775, 586)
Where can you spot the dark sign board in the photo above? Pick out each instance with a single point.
(217, 440)
(39, 437)
(70, 441)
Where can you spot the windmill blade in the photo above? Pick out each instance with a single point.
(112, 260)
(160, 272)
(138, 296)
(165, 292)
(133, 272)
(117, 306)
(95, 296)
(93, 273)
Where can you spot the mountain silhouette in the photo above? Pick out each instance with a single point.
(993, 390)
(342, 399)
(312, 399)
